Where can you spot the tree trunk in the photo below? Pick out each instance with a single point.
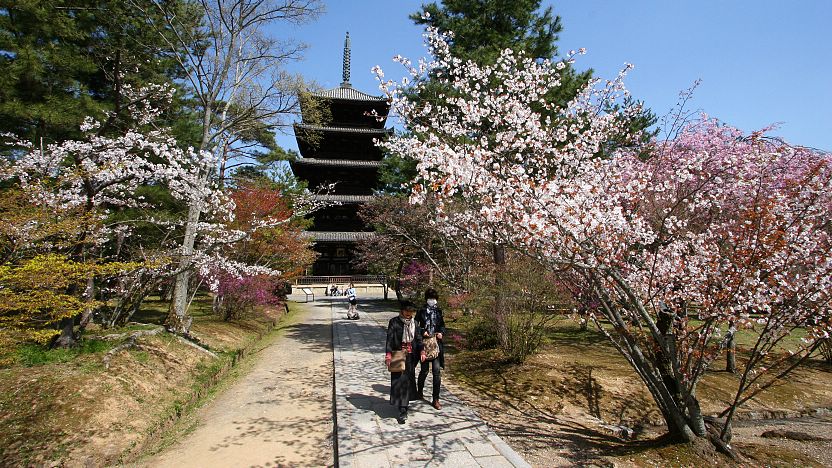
(584, 320)
(499, 252)
(89, 293)
(177, 320)
(731, 347)
(166, 294)
(67, 337)
(659, 379)
(398, 283)
(697, 421)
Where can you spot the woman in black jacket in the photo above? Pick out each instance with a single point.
(432, 323)
(404, 334)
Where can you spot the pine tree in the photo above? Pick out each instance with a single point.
(484, 28)
(65, 60)
(47, 67)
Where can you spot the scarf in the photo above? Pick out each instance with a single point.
(430, 318)
(409, 330)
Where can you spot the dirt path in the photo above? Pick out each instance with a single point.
(278, 414)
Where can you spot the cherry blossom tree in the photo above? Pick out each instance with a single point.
(89, 178)
(404, 233)
(713, 228)
(85, 181)
(235, 70)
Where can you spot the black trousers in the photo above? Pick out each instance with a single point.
(437, 378)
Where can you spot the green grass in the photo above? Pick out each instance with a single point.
(154, 309)
(566, 332)
(30, 355)
(141, 356)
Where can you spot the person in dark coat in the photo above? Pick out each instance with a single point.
(404, 334)
(432, 323)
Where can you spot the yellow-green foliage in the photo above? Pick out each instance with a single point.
(39, 292)
(27, 228)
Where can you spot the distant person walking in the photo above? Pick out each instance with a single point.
(432, 323)
(352, 313)
(402, 351)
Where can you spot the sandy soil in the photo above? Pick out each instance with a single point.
(571, 437)
(750, 432)
(278, 414)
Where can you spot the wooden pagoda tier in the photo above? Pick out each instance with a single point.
(337, 139)
(339, 142)
(351, 177)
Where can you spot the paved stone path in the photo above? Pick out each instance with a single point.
(368, 434)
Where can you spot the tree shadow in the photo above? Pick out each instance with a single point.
(533, 426)
(568, 336)
(374, 306)
(263, 429)
(275, 393)
(591, 391)
(312, 336)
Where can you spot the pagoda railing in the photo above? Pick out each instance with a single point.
(341, 279)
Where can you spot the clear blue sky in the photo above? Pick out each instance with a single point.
(760, 61)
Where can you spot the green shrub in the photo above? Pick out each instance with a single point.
(482, 335)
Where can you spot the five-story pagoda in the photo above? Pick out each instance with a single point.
(340, 151)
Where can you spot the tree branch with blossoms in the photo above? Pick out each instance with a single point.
(712, 229)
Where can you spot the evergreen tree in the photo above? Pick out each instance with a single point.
(47, 67)
(66, 60)
(484, 28)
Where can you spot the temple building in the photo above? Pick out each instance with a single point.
(336, 142)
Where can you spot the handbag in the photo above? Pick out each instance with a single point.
(397, 363)
(431, 348)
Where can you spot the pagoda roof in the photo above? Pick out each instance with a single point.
(336, 162)
(343, 198)
(339, 236)
(347, 93)
(363, 130)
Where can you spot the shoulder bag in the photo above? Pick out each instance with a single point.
(397, 363)
(431, 348)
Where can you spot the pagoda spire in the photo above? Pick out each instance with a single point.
(346, 72)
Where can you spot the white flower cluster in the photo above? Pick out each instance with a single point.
(738, 225)
(98, 174)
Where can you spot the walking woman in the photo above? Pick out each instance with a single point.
(404, 343)
(352, 312)
(432, 323)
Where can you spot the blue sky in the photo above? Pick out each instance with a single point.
(760, 61)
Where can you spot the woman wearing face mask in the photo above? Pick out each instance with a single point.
(432, 323)
(404, 334)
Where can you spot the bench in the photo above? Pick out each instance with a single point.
(308, 292)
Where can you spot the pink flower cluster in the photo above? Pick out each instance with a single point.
(735, 226)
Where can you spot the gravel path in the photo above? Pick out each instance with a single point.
(278, 414)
